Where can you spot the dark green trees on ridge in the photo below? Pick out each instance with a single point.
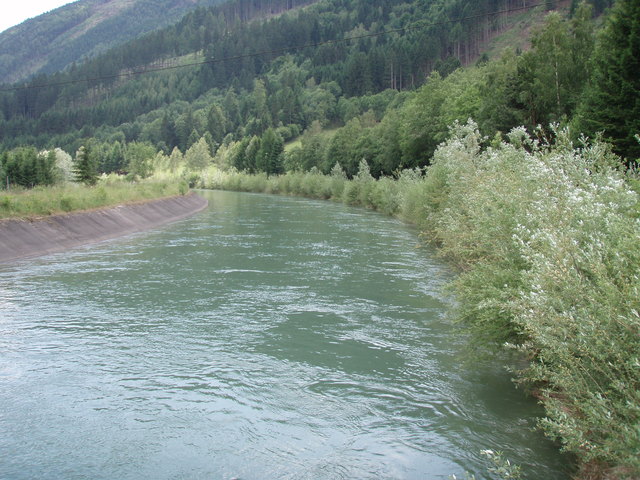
(612, 100)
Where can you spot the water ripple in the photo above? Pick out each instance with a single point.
(266, 338)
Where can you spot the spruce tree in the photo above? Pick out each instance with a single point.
(84, 168)
(269, 158)
(611, 103)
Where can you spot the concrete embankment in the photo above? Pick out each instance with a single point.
(29, 238)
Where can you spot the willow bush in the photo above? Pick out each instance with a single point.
(548, 238)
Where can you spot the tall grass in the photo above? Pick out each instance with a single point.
(546, 236)
(111, 190)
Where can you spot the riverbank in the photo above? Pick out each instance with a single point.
(545, 237)
(20, 238)
(112, 190)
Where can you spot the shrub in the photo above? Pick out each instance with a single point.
(548, 238)
(5, 202)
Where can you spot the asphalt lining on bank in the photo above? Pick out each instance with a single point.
(23, 238)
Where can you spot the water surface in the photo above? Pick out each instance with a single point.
(264, 338)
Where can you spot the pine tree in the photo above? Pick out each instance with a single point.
(260, 107)
(168, 131)
(84, 168)
(269, 157)
(216, 123)
(611, 103)
(251, 154)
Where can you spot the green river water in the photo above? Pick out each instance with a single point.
(264, 338)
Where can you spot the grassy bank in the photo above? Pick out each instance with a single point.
(546, 237)
(110, 191)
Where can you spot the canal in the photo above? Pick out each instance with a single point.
(264, 338)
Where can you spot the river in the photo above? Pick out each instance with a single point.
(264, 338)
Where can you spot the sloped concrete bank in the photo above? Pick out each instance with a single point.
(29, 238)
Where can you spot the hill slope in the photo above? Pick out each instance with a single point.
(237, 81)
(54, 40)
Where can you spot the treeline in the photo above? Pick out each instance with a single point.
(565, 78)
(562, 79)
(26, 167)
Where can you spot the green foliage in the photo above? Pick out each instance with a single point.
(502, 467)
(426, 117)
(112, 190)
(175, 108)
(140, 159)
(175, 160)
(501, 108)
(611, 103)
(25, 167)
(197, 156)
(84, 167)
(269, 157)
(548, 241)
(358, 191)
(66, 203)
(552, 74)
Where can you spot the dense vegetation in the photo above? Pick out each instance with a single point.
(245, 97)
(542, 221)
(331, 85)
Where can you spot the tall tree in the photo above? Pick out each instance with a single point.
(168, 130)
(611, 103)
(84, 167)
(198, 156)
(232, 109)
(269, 157)
(216, 123)
(260, 108)
(140, 159)
(544, 72)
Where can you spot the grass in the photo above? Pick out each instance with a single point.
(110, 191)
(518, 33)
(325, 134)
(293, 144)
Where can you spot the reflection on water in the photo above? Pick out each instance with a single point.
(264, 338)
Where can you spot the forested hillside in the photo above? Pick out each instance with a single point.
(241, 88)
(82, 29)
